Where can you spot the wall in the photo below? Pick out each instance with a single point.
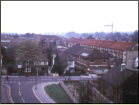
(68, 92)
(130, 59)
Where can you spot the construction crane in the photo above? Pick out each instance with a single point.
(111, 30)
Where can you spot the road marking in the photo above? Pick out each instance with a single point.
(46, 79)
(23, 100)
(31, 79)
(36, 94)
(9, 93)
(60, 79)
(19, 93)
(19, 83)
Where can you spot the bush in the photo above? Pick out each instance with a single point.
(10, 68)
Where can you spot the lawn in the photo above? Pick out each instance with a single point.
(57, 93)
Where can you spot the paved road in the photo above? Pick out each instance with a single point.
(21, 87)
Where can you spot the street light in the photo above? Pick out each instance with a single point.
(36, 76)
(27, 66)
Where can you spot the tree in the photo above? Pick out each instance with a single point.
(16, 36)
(10, 68)
(28, 51)
(54, 43)
(42, 42)
(58, 66)
(2, 50)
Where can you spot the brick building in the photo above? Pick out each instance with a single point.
(88, 59)
(73, 41)
(115, 48)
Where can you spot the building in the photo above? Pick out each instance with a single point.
(48, 39)
(88, 59)
(130, 57)
(73, 41)
(31, 67)
(121, 84)
(68, 62)
(11, 42)
(115, 48)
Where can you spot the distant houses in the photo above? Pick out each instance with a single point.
(73, 41)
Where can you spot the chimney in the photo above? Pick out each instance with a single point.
(107, 39)
(99, 38)
(115, 40)
(122, 66)
(127, 41)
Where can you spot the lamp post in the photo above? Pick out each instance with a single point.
(36, 77)
(27, 66)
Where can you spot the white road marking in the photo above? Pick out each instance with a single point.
(46, 79)
(19, 93)
(23, 100)
(60, 79)
(31, 79)
(19, 83)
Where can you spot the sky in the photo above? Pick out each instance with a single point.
(65, 16)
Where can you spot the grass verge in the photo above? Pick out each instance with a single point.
(57, 93)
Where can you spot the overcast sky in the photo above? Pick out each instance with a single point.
(65, 16)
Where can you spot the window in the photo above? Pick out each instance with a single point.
(98, 68)
(104, 60)
(104, 67)
(45, 63)
(29, 70)
(117, 50)
(92, 68)
(92, 60)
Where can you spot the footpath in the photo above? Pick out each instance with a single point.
(41, 94)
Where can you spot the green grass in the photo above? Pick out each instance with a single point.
(57, 93)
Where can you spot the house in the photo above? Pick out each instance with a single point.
(115, 48)
(116, 61)
(11, 42)
(130, 57)
(88, 59)
(31, 67)
(73, 41)
(120, 84)
(119, 47)
(68, 61)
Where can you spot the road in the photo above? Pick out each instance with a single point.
(20, 87)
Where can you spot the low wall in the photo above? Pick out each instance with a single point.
(99, 94)
(68, 92)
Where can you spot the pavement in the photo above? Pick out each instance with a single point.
(4, 94)
(41, 94)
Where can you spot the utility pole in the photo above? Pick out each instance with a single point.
(111, 30)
